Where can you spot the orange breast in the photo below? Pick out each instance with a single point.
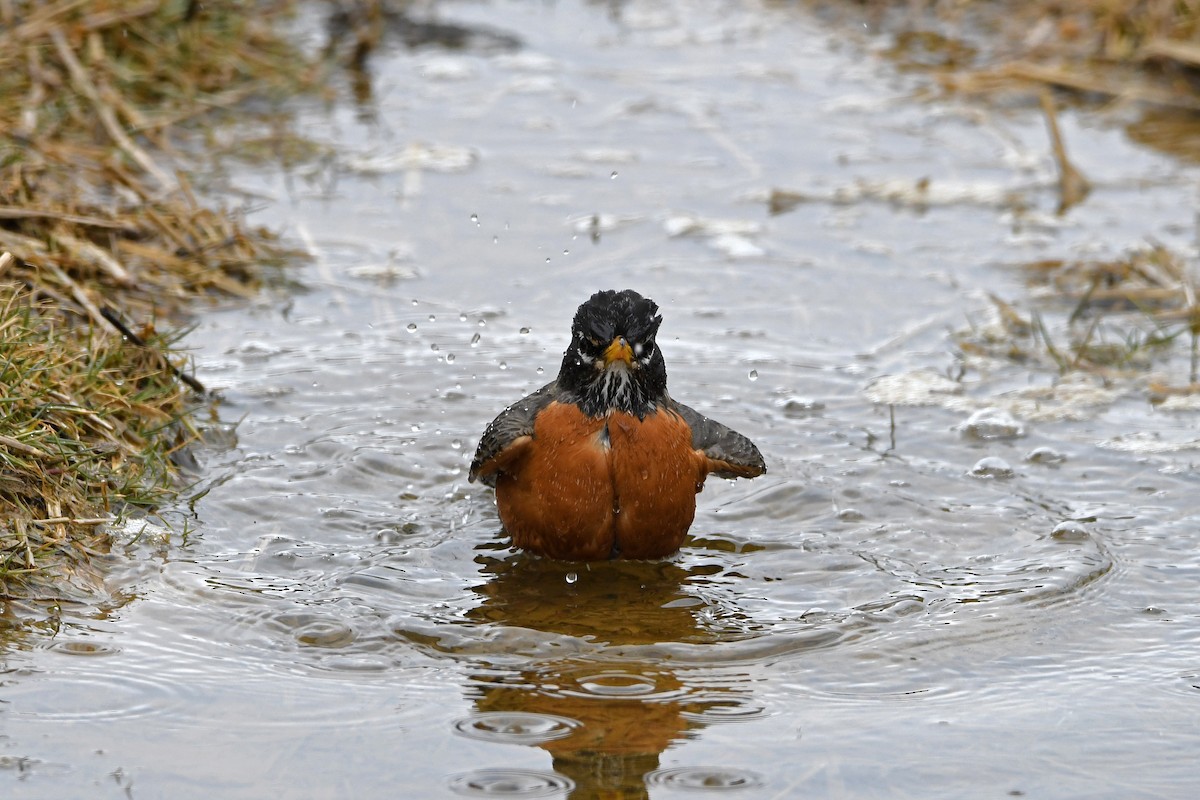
(591, 489)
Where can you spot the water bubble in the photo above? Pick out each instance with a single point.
(462, 317)
(992, 423)
(76, 647)
(411, 327)
(475, 219)
(992, 467)
(432, 318)
(325, 633)
(572, 577)
(524, 331)
(566, 252)
(1070, 531)
(475, 339)
(547, 259)
(482, 323)
(415, 301)
(516, 727)
(510, 783)
(617, 684)
(540, 370)
(495, 240)
(1045, 455)
(503, 365)
(688, 778)
(798, 407)
(753, 375)
(415, 427)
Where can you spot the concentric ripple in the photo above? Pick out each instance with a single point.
(707, 778)
(510, 783)
(516, 727)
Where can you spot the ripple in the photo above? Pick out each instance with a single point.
(614, 683)
(516, 727)
(711, 778)
(510, 783)
(724, 711)
(92, 697)
(79, 647)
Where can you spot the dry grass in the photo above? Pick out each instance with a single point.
(1112, 318)
(107, 105)
(100, 95)
(1138, 50)
(88, 425)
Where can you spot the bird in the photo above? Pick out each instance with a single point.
(602, 463)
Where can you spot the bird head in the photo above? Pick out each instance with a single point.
(613, 362)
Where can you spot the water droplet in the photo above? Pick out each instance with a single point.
(462, 317)
(540, 370)
(483, 323)
(547, 259)
(449, 358)
(524, 331)
(566, 252)
(503, 365)
(434, 347)
(432, 318)
(572, 577)
(753, 375)
(456, 444)
(475, 219)
(475, 339)
(415, 301)
(495, 240)
(411, 327)
(414, 427)
(613, 176)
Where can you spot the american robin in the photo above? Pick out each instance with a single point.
(601, 463)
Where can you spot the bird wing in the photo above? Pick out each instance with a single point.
(508, 434)
(729, 453)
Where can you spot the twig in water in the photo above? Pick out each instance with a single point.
(115, 320)
(1073, 187)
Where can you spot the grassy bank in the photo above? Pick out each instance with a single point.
(106, 106)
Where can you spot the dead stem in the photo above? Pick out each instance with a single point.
(1073, 187)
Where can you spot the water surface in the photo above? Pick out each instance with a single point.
(900, 608)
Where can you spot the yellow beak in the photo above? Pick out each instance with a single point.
(619, 350)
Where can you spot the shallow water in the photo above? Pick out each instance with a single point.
(886, 613)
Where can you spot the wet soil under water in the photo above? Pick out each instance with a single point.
(880, 615)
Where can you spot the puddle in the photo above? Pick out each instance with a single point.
(980, 582)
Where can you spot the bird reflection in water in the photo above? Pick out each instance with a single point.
(621, 703)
